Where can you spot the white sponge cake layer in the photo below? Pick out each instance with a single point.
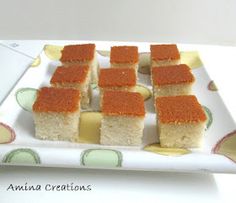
(128, 89)
(172, 90)
(93, 65)
(181, 135)
(85, 91)
(165, 63)
(122, 130)
(56, 126)
(121, 65)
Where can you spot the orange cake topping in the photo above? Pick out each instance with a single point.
(175, 74)
(71, 74)
(117, 77)
(124, 54)
(164, 52)
(179, 109)
(50, 99)
(81, 52)
(123, 103)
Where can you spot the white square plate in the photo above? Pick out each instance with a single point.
(20, 147)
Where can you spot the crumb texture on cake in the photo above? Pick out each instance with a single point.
(50, 99)
(175, 74)
(124, 54)
(70, 74)
(164, 52)
(120, 130)
(56, 126)
(80, 52)
(123, 103)
(186, 135)
(173, 90)
(179, 109)
(117, 77)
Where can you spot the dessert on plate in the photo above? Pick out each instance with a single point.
(172, 80)
(82, 54)
(77, 77)
(181, 121)
(164, 55)
(124, 56)
(123, 118)
(56, 114)
(122, 79)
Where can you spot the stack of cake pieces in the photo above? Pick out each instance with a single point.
(76, 77)
(164, 55)
(123, 79)
(180, 118)
(124, 56)
(172, 80)
(56, 114)
(81, 54)
(56, 110)
(123, 118)
(122, 109)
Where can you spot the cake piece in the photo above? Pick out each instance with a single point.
(56, 114)
(123, 118)
(181, 121)
(82, 54)
(124, 56)
(172, 80)
(122, 79)
(77, 77)
(164, 55)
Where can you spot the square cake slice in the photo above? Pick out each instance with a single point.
(181, 121)
(164, 55)
(56, 114)
(124, 56)
(172, 80)
(123, 118)
(82, 54)
(122, 79)
(77, 77)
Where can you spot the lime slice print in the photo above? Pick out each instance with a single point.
(226, 146)
(156, 148)
(26, 97)
(53, 52)
(209, 117)
(212, 86)
(36, 62)
(7, 134)
(191, 58)
(144, 63)
(101, 158)
(104, 53)
(89, 130)
(144, 91)
(22, 156)
(94, 85)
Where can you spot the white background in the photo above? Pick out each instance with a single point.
(186, 21)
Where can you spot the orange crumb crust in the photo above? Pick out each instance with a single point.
(179, 109)
(116, 103)
(164, 52)
(124, 54)
(170, 75)
(70, 74)
(80, 52)
(117, 77)
(50, 99)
